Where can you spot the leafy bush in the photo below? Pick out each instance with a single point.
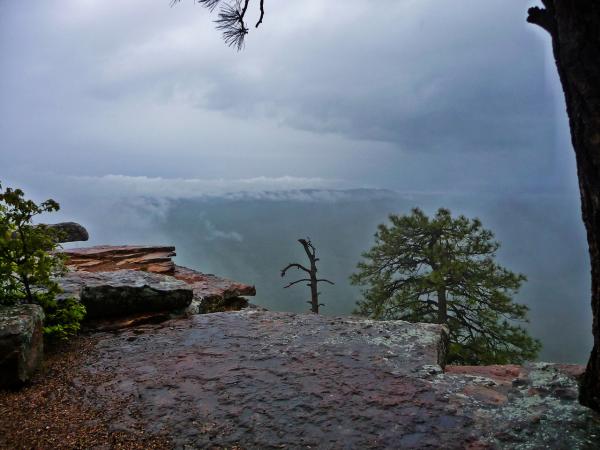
(30, 264)
(63, 316)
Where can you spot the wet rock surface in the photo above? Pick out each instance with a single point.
(522, 407)
(256, 379)
(277, 380)
(259, 379)
(21, 343)
(125, 292)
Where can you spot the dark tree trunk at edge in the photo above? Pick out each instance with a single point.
(575, 29)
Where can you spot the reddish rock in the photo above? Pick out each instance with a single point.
(213, 293)
(209, 285)
(573, 370)
(485, 394)
(106, 258)
(278, 380)
(503, 374)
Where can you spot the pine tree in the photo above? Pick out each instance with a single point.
(442, 270)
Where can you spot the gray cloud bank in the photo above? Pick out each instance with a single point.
(409, 94)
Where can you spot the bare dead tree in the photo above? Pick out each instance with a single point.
(312, 280)
(230, 18)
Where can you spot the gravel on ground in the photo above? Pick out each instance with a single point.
(50, 412)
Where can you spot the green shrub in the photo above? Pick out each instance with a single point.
(63, 316)
(30, 263)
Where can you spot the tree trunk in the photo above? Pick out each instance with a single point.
(314, 294)
(313, 281)
(25, 280)
(575, 29)
(442, 306)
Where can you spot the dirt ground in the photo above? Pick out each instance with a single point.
(49, 413)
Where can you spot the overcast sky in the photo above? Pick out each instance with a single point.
(423, 95)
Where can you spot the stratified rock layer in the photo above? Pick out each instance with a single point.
(21, 343)
(211, 293)
(106, 258)
(125, 292)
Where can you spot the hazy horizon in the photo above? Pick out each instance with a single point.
(250, 234)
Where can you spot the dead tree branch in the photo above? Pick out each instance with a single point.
(296, 265)
(230, 19)
(313, 281)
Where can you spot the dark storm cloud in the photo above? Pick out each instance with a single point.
(423, 75)
(405, 93)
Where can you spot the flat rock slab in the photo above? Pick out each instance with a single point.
(105, 258)
(21, 343)
(278, 380)
(125, 292)
(260, 380)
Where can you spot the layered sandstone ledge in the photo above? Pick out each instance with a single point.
(107, 258)
(107, 270)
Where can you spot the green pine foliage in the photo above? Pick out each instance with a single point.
(29, 263)
(443, 270)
